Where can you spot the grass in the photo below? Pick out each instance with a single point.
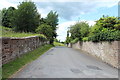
(13, 66)
(58, 44)
(0, 73)
(8, 32)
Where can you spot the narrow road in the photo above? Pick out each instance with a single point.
(63, 62)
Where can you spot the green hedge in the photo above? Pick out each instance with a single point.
(108, 35)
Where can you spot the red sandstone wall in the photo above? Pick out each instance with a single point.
(15, 47)
(106, 51)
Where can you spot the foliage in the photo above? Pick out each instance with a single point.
(26, 17)
(7, 16)
(56, 40)
(79, 30)
(67, 38)
(52, 20)
(58, 44)
(8, 32)
(75, 31)
(105, 29)
(75, 40)
(84, 29)
(45, 30)
(85, 39)
(0, 18)
(109, 22)
(106, 35)
(13, 66)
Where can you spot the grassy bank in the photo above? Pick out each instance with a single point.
(8, 32)
(58, 44)
(13, 66)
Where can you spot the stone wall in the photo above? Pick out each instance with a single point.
(15, 47)
(106, 51)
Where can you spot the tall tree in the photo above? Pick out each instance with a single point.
(52, 20)
(7, 16)
(27, 18)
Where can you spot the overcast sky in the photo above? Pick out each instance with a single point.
(71, 11)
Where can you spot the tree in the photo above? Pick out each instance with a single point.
(106, 29)
(43, 21)
(75, 31)
(56, 40)
(79, 30)
(84, 29)
(52, 20)
(45, 30)
(0, 18)
(27, 18)
(7, 16)
(67, 38)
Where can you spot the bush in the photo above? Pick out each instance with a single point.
(106, 35)
(45, 30)
(85, 39)
(75, 40)
(105, 29)
(109, 22)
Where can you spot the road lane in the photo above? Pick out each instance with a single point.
(63, 62)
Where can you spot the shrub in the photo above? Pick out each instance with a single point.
(45, 30)
(85, 39)
(109, 22)
(75, 40)
(106, 35)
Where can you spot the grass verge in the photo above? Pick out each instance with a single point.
(8, 32)
(58, 44)
(13, 66)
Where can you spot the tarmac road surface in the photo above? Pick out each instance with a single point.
(63, 62)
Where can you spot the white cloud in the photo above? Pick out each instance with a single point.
(91, 23)
(6, 4)
(63, 27)
(43, 11)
